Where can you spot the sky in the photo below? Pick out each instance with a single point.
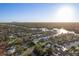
(40, 12)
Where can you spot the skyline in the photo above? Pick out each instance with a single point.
(38, 12)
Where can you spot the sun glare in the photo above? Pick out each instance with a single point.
(65, 14)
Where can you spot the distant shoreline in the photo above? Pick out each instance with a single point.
(39, 22)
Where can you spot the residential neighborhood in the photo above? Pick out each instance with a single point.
(19, 40)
